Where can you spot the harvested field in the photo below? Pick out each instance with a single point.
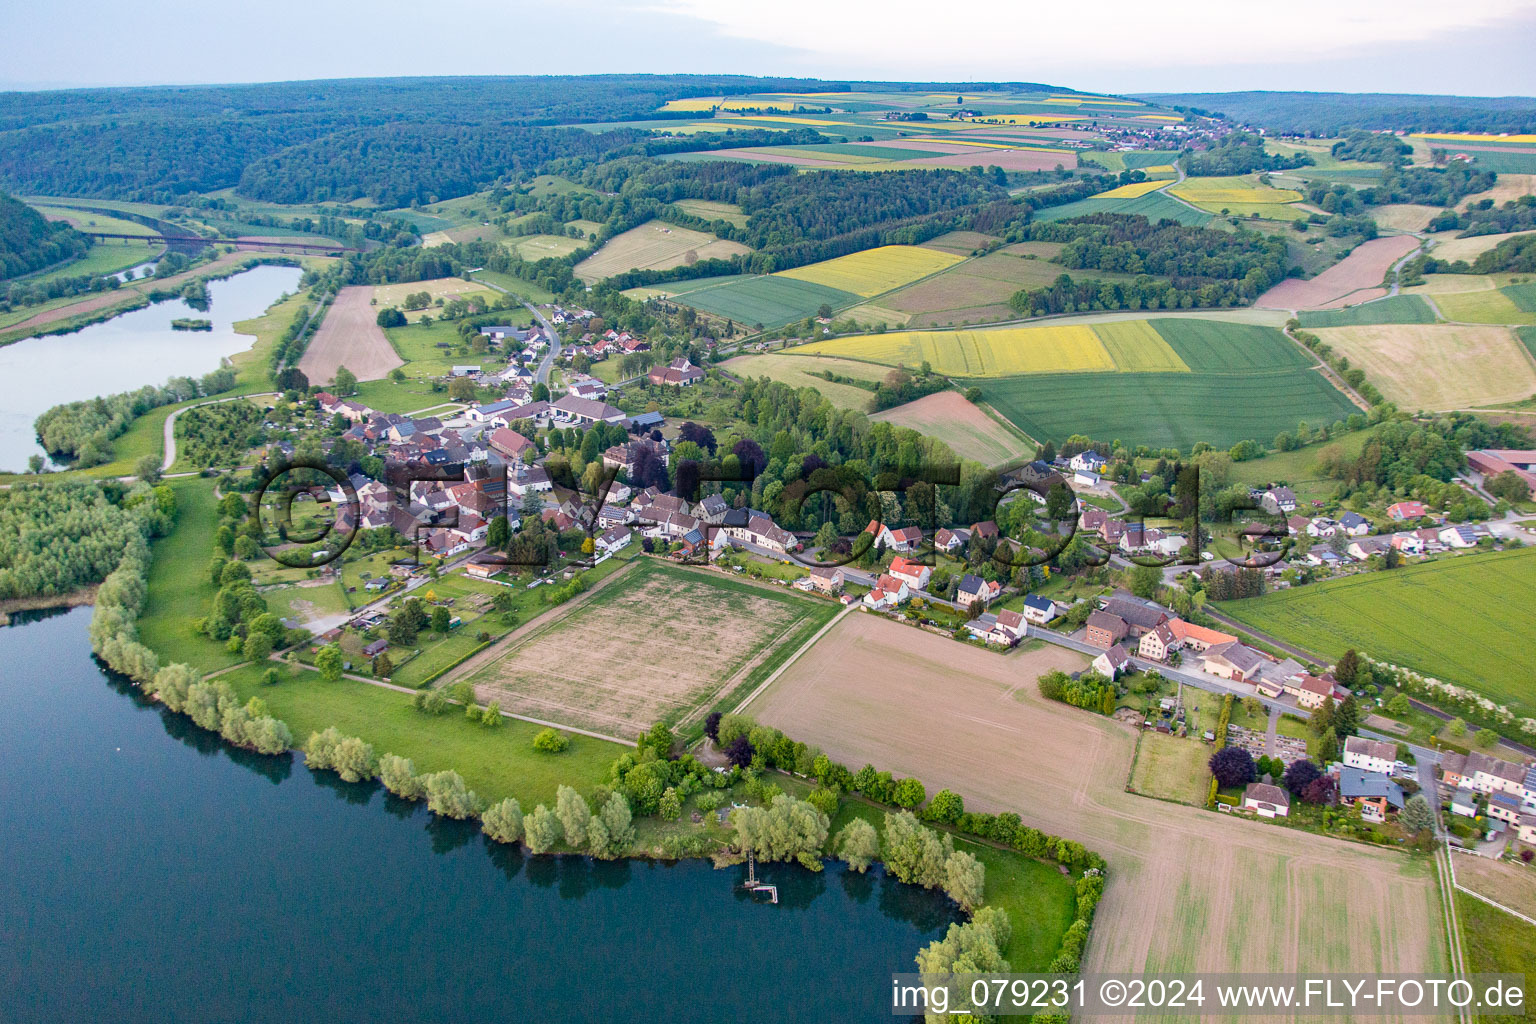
(795, 371)
(969, 431)
(1007, 159)
(1508, 186)
(1188, 889)
(976, 291)
(1470, 248)
(538, 247)
(960, 243)
(654, 245)
(874, 271)
(1365, 268)
(1513, 885)
(445, 288)
(709, 210)
(350, 336)
(1439, 366)
(662, 643)
(1404, 216)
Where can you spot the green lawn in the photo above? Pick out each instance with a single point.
(105, 257)
(496, 763)
(1496, 943)
(1466, 620)
(180, 590)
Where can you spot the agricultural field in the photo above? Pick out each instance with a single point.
(1481, 607)
(1479, 300)
(1496, 942)
(350, 336)
(1356, 278)
(538, 247)
(1166, 409)
(445, 288)
(976, 291)
(799, 372)
(874, 271)
(302, 603)
(1396, 309)
(1154, 206)
(1404, 216)
(710, 210)
(1240, 195)
(1136, 346)
(89, 220)
(772, 300)
(1470, 249)
(1188, 890)
(968, 430)
(659, 643)
(1135, 190)
(961, 243)
(1513, 885)
(980, 353)
(1439, 366)
(654, 245)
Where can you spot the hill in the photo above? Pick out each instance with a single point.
(1332, 113)
(30, 242)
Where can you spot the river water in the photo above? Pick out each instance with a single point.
(125, 353)
(152, 873)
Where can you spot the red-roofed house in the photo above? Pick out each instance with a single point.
(911, 573)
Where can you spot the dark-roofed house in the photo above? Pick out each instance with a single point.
(1140, 616)
(1357, 783)
(1115, 660)
(1105, 629)
(586, 410)
(1278, 501)
(973, 589)
(1039, 610)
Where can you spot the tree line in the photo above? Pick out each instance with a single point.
(57, 538)
(83, 431)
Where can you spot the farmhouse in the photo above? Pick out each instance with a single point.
(1266, 800)
(904, 540)
(1158, 644)
(679, 373)
(586, 410)
(511, 444)
(1105, 629)
(1197, 638)
(1488, 463)
(1140, 616)
(1369, 755)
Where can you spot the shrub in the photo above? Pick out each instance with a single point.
(448, 796)
(551, 741)
(398, 774)
(503, 822)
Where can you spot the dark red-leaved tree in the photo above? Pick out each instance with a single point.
(1318, 791)
(739, 751)
(1233, 766)
(1300, 775)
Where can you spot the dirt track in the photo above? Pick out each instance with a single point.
(350, 337)
(1189, 889)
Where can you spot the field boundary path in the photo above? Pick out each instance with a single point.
(538, 623)
(792, 659)
(349, 336)
(1321, 366)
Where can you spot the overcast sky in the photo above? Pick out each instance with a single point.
(1471, 47)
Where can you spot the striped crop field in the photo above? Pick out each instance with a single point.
(874, 271)
(1469, 137)
(1003, 351)
(1154, 206)
(1491, 306)
(701, 103)
(1397, 309)
(772, 301)
(1132, 191)
(1136, 347)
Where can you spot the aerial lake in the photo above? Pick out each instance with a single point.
(153, 873)
(125, 353)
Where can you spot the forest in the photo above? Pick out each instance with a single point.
(1486, 219)
(1134, 245)
(1239, 153)
(29, 242)
(1371, 147)
(1328, 114)
(57, 538)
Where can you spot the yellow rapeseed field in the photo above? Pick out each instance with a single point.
(874, 271)
(1136, 347)
(995, 352)
(1215, 193)
(1027, 118)
(1131, 191)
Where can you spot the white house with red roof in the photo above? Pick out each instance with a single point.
(911, 573)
